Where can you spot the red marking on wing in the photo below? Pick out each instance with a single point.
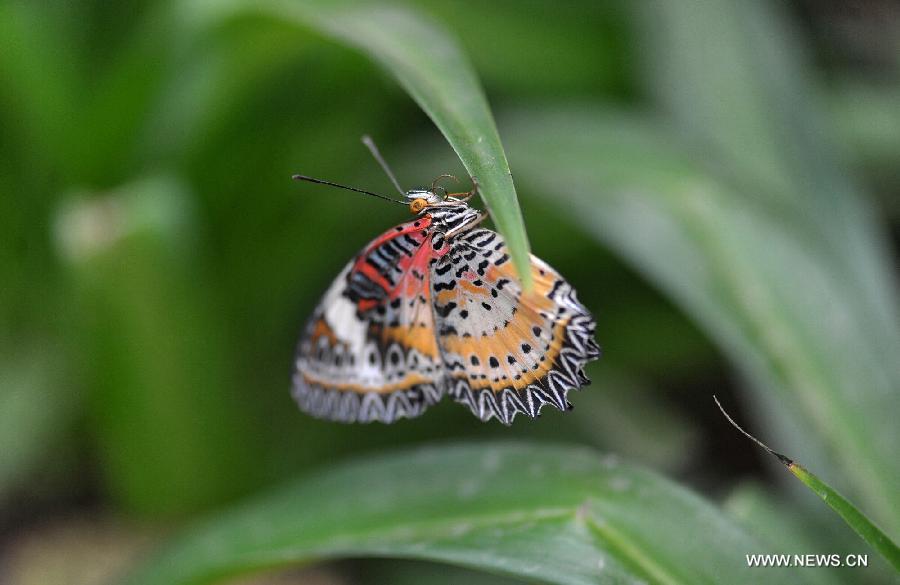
(402, 271)
(366, 305)
(410, 285)
(418, 260)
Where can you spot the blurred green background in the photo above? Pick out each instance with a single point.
(157, 263)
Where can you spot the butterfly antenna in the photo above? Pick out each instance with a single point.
(348, 188)
(370, 144)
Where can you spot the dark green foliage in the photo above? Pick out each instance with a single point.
(157, 264)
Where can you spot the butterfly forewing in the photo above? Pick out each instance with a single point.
(507, 351)
(369, 352)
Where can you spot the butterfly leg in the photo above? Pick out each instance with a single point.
(467, 195)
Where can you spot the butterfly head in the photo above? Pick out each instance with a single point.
(421, 199)
(436, 196)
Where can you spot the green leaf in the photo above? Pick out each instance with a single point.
(858, 521)
(552, 514)
(734, 78)
(39, 86)
(429, 65)
(779, 525)
(865, 118)
(793, 526)
(172, 433)
(781, 307)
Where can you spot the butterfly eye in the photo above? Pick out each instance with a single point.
(417, 205)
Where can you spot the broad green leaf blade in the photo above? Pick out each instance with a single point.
(552, 514)
(734, 79)
(431, 67)
(779, 305)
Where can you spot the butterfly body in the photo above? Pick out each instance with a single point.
(433, 307)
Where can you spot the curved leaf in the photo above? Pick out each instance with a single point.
(430, 66)
(785, 311)
(553, 514)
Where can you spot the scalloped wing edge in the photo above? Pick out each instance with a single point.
(355, 407)
(579, 348)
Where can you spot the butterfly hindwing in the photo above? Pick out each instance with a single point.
(507, 351)
(369, 351)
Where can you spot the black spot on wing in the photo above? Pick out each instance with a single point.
(445, 310)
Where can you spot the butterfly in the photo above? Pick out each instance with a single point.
(434, 307)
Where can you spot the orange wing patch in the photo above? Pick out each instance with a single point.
(419, 337)
(518, 378)
(322, 329)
